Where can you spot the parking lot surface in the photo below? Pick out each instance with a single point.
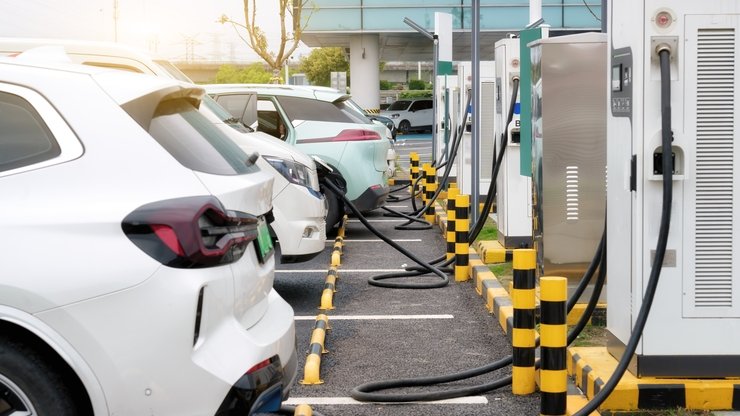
(380, 334)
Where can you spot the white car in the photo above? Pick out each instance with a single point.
(322, 122)
(299, 207)
(137, 270)
(411, 114)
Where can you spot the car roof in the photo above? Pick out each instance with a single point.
(12, 45)
(321, 94)
(121, 86)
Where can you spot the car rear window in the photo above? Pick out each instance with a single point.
(308, 109)
(353, 111)
(24, 137)
(195, 142)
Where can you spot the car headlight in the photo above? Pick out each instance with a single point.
(294, 172)
(395, 115)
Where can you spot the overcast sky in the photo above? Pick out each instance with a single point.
(164, 27)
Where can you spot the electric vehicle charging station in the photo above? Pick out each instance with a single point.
(513, 191)
(568, 151)
(487, 128)
(447, 96)
(694, 325)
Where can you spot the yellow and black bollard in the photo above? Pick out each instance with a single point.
(303, 410)
(553, 343)
(423, 182)
(414, 169)
(523, 335)
(452, 193)
(330, 288)
(312, 369)
(462, 248)
(431, 189)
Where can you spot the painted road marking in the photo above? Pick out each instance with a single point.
(294, 401)
(398, 220)
(396, 206)
(343, 271)
(376, 317)
(377, 240)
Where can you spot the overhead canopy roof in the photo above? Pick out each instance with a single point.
(330, 23)
(412, 46)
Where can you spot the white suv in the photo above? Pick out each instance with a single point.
(299, 207)
(137, 268)
(411, 114)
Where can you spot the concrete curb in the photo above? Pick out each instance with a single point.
(591, 367)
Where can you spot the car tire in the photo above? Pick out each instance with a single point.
(29, 384)
(335, 205)
(404, 126)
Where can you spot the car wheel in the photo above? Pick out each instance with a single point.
(335, 211)
(404, 127)
(29, 385)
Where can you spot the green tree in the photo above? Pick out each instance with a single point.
(252, 74)
(290, 32)
(321, 62)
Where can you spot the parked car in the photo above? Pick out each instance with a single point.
(137, 268)
(386, 122)
(320, 122)
(411, 115)
(299, 207)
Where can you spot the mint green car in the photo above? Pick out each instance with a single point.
(324, 123)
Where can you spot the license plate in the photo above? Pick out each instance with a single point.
(264, 242)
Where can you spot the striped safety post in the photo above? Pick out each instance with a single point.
(336, 254)
(330, 288)
(312, 369)
(338, 249)
(452, 193)
(414, 169)
(523, 335)
(462, 247)
(431, 176)
(553, 344)
(303, 410)
(423, 182)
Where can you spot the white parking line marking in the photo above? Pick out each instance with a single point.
(343, 271)
(399, 220)
(376, 317)
(376, 240)
(396, 206)
(294, 401)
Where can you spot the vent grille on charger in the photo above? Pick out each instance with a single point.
(714, 167)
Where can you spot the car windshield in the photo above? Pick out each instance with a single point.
(224, 115)
(400, 105)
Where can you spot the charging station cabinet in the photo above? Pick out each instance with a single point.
(447, 105)
(568, 151)
(487, 129)
(513, 191)
(693, 329)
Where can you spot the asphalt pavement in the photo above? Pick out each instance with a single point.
(380, 334)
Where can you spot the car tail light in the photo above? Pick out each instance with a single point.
(191, 232)
(352, 135)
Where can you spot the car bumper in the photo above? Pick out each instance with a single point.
(373, 197)
(146, 356)
(299, 224)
